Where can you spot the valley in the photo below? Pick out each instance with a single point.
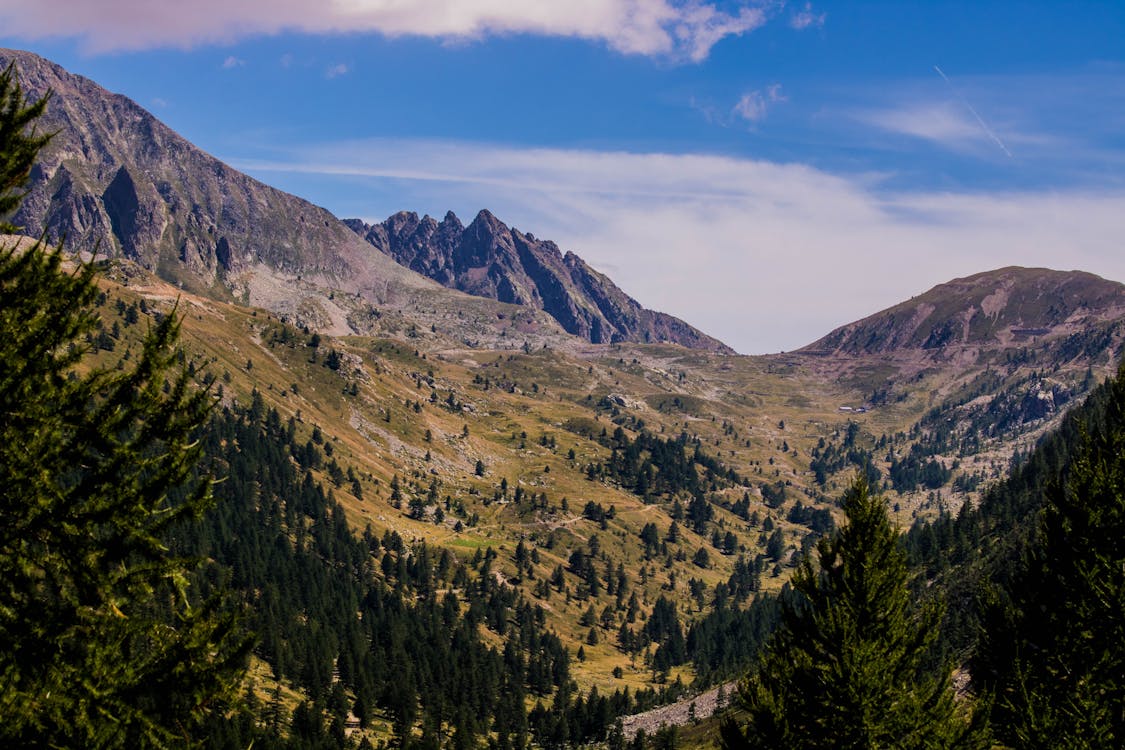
(518, 455)
(463, 434)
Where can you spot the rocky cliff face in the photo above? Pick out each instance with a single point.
(117, 180)
(489, 259)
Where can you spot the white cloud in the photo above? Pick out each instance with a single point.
(765, 256)
(233, 62)
(335, 71)
(701, 26)
(955, 127)
(685, 29)
(806, 18)
(753, 106)
(939, 122)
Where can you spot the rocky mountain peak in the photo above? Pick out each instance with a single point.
(451, 222)
(117, 180)
(490, 259)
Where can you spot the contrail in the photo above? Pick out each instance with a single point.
(980, 120)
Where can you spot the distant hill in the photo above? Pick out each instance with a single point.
(490, 259)
(995, 309)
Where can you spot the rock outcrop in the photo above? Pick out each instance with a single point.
(489, 259)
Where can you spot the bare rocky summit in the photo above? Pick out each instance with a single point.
(1005, 308)
(489, 259)
(117, 180)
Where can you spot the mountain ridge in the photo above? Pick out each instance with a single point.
(116, 181)
(487, 258)
(680, 478)
(1003, 307)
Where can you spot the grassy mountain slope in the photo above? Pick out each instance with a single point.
(489, 449)
(974, 368)
(970, 317)
(626, 491)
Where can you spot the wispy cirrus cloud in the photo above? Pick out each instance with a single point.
(939, 122)
(233, 62)
(682, 29)
(753, 106)
(337, 70)
(766, 256)
(806, 18)
(1059, 122)
(954, 127)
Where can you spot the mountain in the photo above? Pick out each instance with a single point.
(1008, 307)
(564, 483)
(116, 181)
(988, 363)
(490, 259)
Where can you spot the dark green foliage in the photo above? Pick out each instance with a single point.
(663, 627)
(319, 605)
(18, 145)
(775, 547)
(849, 668)
(699, 514)
(102, 643)
(985, 544)
(369, 608)
(829, 458)
(817, 519)
(915, 469)
(726, 642)
(650, 465)
(99, 646)
(774, 494)
(1052, 644)
(650, 536)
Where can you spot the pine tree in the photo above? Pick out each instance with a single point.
(850, 665)
(100, 645)
(1052, 645)
(18, 148)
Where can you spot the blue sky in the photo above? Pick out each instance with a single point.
(767, 171)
